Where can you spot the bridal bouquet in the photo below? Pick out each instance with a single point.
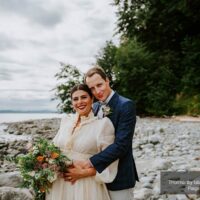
(43, 163)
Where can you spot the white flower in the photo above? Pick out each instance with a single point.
(35, 150)
(62, 91)
(106, 110)
(51, 179)
(51, 161)
(32, 173)
(68, 162)
(37, 176)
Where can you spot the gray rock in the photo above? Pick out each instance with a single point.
(11, 179)
(155, 139)
(142, 194)
(147, 185)
(10, 193)
(161, 164)
(149, 146)
(147, 179)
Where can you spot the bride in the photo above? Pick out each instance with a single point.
(80, 136)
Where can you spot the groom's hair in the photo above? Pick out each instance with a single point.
(95, 70)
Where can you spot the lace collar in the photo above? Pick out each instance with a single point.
(86, 119)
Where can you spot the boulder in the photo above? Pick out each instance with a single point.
(10, 179)
(10, 193)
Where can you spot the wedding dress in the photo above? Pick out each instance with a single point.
(89, 138)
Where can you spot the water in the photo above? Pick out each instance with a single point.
(16, 117)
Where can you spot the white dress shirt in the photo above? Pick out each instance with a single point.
(103, 103)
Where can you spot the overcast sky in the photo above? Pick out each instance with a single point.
(36, 35)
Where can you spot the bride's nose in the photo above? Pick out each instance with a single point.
(80, 101)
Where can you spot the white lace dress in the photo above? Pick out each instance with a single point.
(91, 137)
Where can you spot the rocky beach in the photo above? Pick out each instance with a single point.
(159, 144)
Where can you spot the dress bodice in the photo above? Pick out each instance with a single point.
(86, 138)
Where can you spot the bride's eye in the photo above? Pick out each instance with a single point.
(75, 99)
(84, 97)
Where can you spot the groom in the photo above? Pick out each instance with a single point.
(123, 118)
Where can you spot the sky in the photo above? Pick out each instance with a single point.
(36, 35)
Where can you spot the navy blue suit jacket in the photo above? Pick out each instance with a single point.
(123, 117)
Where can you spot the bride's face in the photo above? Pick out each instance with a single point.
(82, 102)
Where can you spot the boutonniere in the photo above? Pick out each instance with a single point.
(106, 110)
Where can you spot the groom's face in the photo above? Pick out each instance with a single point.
(100, 88)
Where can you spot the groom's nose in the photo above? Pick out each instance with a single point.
(97, 90)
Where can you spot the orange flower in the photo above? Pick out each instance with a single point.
(54, 155)
(42, 189)
(40, 158)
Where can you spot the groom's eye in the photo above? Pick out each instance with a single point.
(99, 85)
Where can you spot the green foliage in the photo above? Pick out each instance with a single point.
(133, 70)
(141, 75)
(68, 77)
(168, 30)
(106, 59)
(187, 104)
(142, 79)
(160, 24)
(191, 63)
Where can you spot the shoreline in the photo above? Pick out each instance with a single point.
(182, 118)
(159, 144)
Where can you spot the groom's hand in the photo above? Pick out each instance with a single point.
(84, 164)
(75, 173)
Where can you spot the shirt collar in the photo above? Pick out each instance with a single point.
(109, 97)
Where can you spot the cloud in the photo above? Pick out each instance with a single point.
(5, 42)
(33, 10)
(35, 36)
(6, 76)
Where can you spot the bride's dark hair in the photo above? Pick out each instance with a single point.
(83, 87)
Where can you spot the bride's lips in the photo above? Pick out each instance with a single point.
(81, 107)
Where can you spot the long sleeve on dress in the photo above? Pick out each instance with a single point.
(104, 139)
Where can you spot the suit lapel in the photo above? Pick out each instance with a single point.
(112, 104)
(96, 107)
(113, 101)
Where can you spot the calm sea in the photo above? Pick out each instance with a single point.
(16, 117)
